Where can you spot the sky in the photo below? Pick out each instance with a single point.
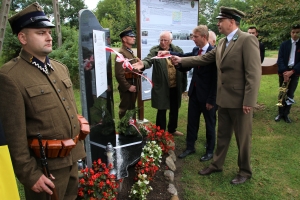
(91, 4)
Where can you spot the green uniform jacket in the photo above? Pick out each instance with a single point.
(124, 85)
(160, 92)
(32, 102)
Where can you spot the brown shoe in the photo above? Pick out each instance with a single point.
(208, 171)
(239, 180)
(177, 133)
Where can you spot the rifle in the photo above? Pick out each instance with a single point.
(44, 163)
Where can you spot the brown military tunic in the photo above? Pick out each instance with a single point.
(125, 79)
(38, 99)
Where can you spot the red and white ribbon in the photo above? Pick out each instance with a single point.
(160, 57)
(132, 122)
(127, 64)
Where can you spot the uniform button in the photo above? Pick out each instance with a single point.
(63, 99)
(58, 90)
(74, 126)
(68, 107)
(42, 91)
(72, 116)
(54, 81)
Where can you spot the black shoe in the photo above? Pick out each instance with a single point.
(186, 153)
(206, 157)
(287, 119)
(278, 118)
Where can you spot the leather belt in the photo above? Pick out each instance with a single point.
(60, 148)
(53, 148)
(130, 75)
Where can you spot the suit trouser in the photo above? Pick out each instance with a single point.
(195, 108)
(161, 116)
(66, 185)
(229, 120)
(285, 110)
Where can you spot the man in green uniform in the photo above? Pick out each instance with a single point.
(36, 96)
(128, 85)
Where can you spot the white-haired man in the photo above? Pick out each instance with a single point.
(168, 84)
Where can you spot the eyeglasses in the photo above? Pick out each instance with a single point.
(195, 36)
(162, 40)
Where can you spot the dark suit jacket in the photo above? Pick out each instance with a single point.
(204, 79)
(284, 56)
(262, 51)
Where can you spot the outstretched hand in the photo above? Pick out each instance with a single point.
(138, 65)
(162, 53)
(175, 60)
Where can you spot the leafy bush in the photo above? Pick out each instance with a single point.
(68, 52)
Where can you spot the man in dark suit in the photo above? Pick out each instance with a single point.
(252, 30)
(289, 70)
(36, 96)
(239, 71)
(128, 81)
(202, 95)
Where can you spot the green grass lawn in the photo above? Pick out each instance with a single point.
(275, 156)
(275, 153)
(271, 53)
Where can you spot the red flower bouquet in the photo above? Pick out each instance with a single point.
(163, 138)
(97, 183)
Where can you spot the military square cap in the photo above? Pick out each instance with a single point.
(230, 13)
(127, 32)
(296, 26)
(30, 17)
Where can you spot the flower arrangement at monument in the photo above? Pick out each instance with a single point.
(146, 168)
(163, 138)
(97, 183)
(128, 125)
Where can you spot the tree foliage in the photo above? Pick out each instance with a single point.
(274, 20)
(68, 9)
(68, 52)
(116, 15)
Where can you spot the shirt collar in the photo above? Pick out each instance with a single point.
(44, 67)
(230, 36)
(204, 49)
(294, 40)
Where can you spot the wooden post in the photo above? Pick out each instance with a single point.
(57, 22)
(3, 17)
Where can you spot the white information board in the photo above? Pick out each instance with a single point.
(100, 61)
(177, 16)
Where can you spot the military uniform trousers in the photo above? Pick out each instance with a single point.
(67, 188)
(229, 120)
(127, 99)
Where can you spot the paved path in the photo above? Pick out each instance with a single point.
(269, 61)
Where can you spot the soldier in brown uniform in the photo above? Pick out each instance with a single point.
(36, 96)
(128, 81)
